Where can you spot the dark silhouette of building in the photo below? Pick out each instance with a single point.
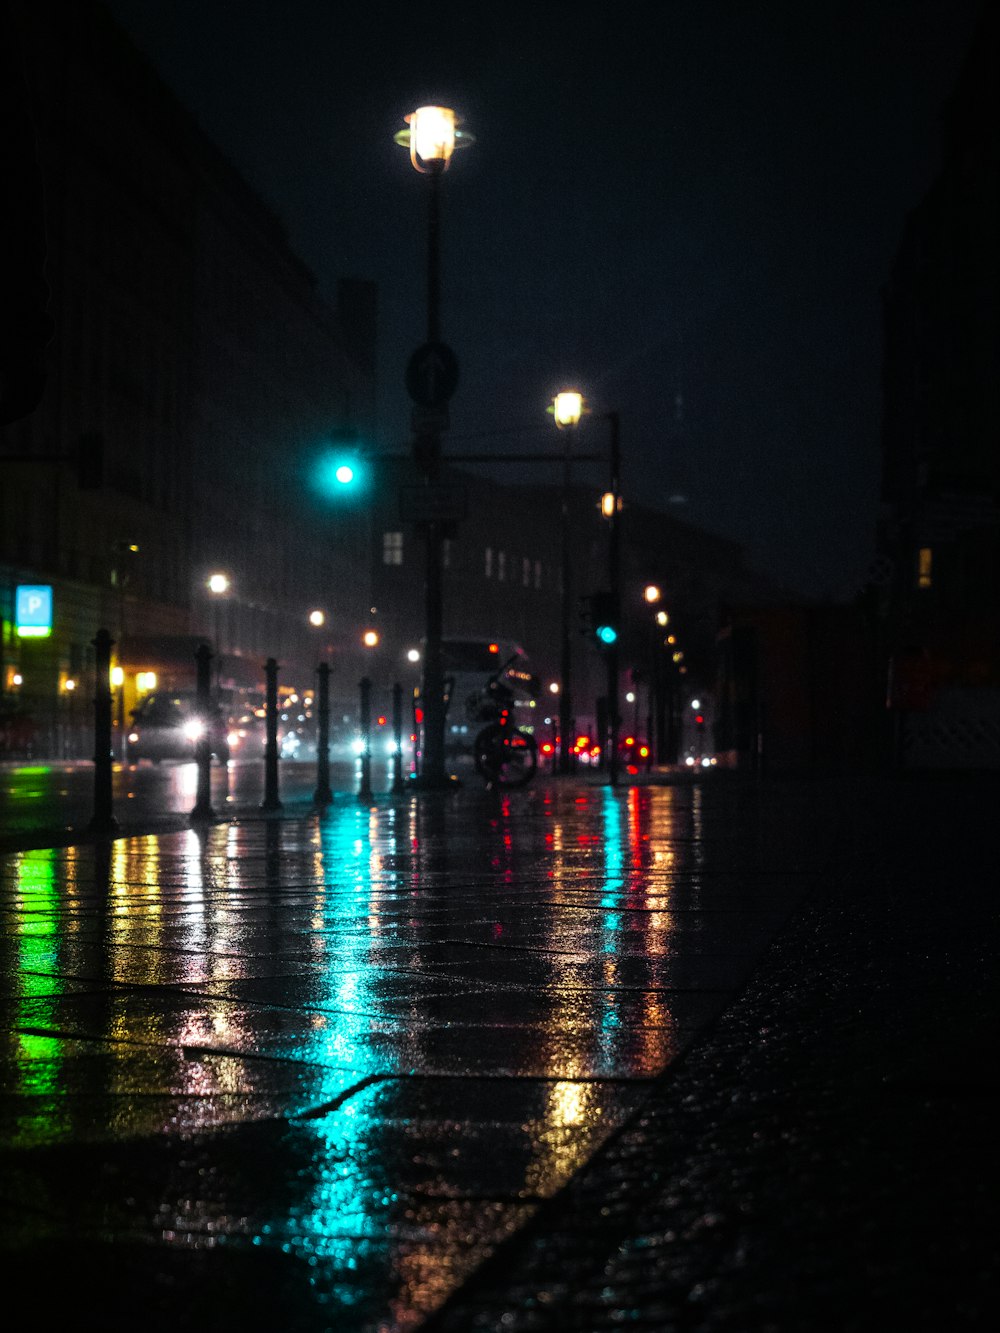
(940, 528)
(909, 675)
(193, 370)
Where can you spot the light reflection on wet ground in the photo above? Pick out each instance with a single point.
(369, 1041)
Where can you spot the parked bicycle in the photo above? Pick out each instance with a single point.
(505, 754)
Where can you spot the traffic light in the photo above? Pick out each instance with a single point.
(90, 462)
(340, 469)
(605, 619)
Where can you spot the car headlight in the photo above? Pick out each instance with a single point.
(193, 729)
(357, 746)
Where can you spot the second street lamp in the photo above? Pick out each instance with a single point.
(432, 135)
(567, 408)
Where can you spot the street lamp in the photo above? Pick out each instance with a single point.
(567, 408)
(432, 135)
(218, 585)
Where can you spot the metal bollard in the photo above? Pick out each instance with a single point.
(203, 745)
(323, 795)
(103, 819)
(365, 719)
(397, 739)
(271, 800)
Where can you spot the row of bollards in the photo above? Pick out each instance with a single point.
(103, 821)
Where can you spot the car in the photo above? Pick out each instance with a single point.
(169, 725)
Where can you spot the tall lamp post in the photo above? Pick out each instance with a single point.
(567, 408)
(218, 585)
(611, 507)
(432, 135)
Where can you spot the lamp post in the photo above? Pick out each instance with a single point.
(432, 135)
(612, 511)
(567, 408)
(218, 585)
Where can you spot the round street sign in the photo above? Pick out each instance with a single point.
(432, 374)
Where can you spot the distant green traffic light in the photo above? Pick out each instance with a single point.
(339, 474)
(607, 634)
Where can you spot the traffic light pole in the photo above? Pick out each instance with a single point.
(615, 587)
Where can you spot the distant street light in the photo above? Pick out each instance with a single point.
(567, 408)
(317, 619)
(218, 585)
(432, 135)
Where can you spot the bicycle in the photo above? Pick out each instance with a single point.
(505, 755)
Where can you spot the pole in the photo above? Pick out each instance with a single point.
(397, 739)
(323, 795)
(615, 585)
(271, 799)
(565, 650)
(433, 774)
(203, 746)
(365, 721)
(103, 820)
(120, 702)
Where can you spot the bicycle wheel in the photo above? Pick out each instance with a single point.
(505, 756)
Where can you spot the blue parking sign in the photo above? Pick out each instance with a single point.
(33, 610)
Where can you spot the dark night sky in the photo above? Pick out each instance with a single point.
(685, 209)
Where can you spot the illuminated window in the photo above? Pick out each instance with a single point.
(488, 565)
(392, 548)
(925, 567)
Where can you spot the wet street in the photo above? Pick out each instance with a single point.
(309, 1072)
(40, 801)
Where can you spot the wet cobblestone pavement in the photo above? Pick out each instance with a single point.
(715, 1056)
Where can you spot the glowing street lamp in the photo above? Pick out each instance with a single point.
(432, 136)
(566, 408)
(317, 619)
(218, 585)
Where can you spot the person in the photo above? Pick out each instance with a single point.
(26, 325)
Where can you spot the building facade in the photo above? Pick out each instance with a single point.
(940, 528)
(193, 375)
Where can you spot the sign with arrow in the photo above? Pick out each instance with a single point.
(432, 374)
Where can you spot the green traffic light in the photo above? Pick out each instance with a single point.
(338, 475)
(607, 634)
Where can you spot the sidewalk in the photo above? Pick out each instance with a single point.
(824, 1158)
(700, 1056)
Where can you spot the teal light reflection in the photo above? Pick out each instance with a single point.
(347, 1199)
(613, 851)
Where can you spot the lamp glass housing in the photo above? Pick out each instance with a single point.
(568, 408)
(432, 137)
